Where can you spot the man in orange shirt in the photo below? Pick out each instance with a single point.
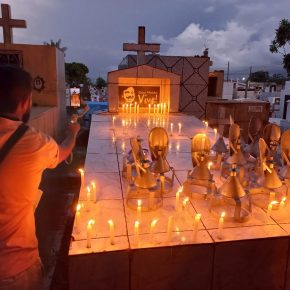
(20, 174)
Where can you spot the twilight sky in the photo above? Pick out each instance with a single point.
(238, 31)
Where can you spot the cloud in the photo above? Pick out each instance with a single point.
(209, 9)
(240, 44)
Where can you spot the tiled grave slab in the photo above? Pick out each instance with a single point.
(250, 255)
(107, 186)
(101, 163)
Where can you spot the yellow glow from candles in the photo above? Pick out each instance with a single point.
(223, 214)
(282, 202)
(171, 128)
(206, 123)
(177, 231)
(79, 206)
(184, 203)
(179, 128)
(88, 193)
(91, 222)
(221, 225)
(136, 228)
(81, 171)
(123, 146)
(270, 206)
(177, 146)
(215, 131)
(113, 139)
(209, 165)
(93, 184)
(183, 239)
(112, 231)
(139, 209)
(153, 225)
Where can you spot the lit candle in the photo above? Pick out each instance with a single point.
(94, 190)
(179, 128)
(90, 232)
(123, 146)
(82, 179)
(282, 202)
(152, 227)
(171, 129)
(272, 196)
(154, 108)
(177, 146)
(196, 225)
(88, 203)
(136, 231)
(112, 232)
(157, 108)
(127, 106)
(184, 203)
(88, 194)
(215, 133)
(114, 117)
(221, 225)
(135, 108)
(123, 108)
(139, 209)
(206, 125)
(77, 218)
(209, 165)
(169, 228)
(149, 108)
(270, 207)
(177, 197)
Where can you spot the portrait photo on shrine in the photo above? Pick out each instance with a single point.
(144, 145)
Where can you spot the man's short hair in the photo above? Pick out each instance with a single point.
(15, 87)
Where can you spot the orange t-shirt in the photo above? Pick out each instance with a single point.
(20, 175)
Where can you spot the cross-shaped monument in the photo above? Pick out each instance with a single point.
(141, 47)
(7, 23)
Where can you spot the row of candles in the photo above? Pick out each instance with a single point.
(160, 108)
(153, 223)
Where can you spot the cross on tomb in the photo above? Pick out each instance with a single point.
(8, 23)
(141, 47)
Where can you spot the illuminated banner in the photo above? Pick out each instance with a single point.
(140, 94)
(75, 97)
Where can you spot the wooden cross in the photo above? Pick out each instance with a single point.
(141, 47)
(7, 23)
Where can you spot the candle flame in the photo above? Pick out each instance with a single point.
(284, 198)
(179, 124)
(185, 201)
(79, 207)
(93, 184)
(153, 223)
(91, 222)
(183, 239)
(198, 216)
(209, 165)
(136, 224)
(81, 171)
(223, 214)
(215, 130)
(88, 189)
(110, 222)
(274, 202)
(139, 202)
(114, 117)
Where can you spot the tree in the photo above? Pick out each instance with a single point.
(76, 73)
(57, 45)
(281, 43)
(100, 83)
(278, 79)
(259, 76)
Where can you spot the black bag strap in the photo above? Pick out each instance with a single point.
(12, 140)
